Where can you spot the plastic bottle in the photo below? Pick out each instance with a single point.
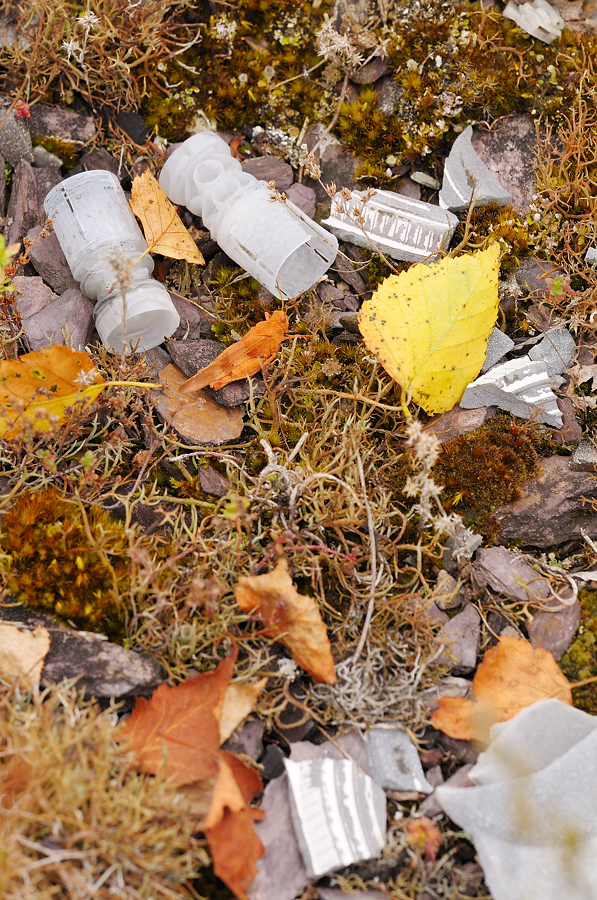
(274, 241)
(91, 216)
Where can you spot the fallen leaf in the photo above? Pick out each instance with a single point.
(233, 843)
(511, 676)
(22, 654)
(429, 325)
(14, 778)
(580, 374)
(239, 700)
(177, 732)
(43, 384)
(162, 227)
(244, 358)
(289, 617)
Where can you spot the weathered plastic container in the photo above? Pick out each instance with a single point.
(91, 216)
(275, 242)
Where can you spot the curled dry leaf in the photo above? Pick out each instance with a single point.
(511, 676)
(44, 384)
(239, 700)
(289, 617)
(22, 654)
(246, 357)
(163, 229)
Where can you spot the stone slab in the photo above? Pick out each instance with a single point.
(70, 314)
(197, 418)
(49, 260)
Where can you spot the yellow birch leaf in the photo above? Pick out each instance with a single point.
(163, 229)
(429, 325)
(43, 384)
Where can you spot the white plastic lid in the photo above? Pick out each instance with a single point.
(150, 318)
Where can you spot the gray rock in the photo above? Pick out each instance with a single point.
(43, 157)
(409, 188)
(213, 483)
(394, 761)
(54, 121)
(49, 260)
(348, 274)
(32, 295)
(553, 629)
(24, 211)
(247, 739)
(508, 151)
(571, 431)
(281, 874)
(459, 421)
(519, 386)
(46, 178)
(543, 761)
(15, 139)
(466, 178)
(133, 124)
(70, 314)
(350, 745)
(337, 894)
(462, 636)
(497, 346)
(268, 168)
(337, 167)
(447, 592)
(554, 507)
(348, 13)
(506, 572)
(584, 458)
(157, 359)
(371, 71)
(302, 196)
(99, 158)
(556, 350)
(400, 227)
(191, 319)
(338, 813)
(426, 180)
(389, 95)
(350, 322)
(272, 762)
(190, 356)
(10, 36)
(534, 275)
(328, 293)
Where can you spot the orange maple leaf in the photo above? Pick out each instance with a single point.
(177, 732)
(511, 676)
(244, 358)
(289, 617)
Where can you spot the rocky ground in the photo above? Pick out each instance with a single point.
(126, 527)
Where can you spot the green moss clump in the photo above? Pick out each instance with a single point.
(580, 662)
(485, 469)
(64, 150)
(54, 562)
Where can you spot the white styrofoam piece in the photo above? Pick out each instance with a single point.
(520, 386)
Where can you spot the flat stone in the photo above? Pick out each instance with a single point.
(556, 350)
(191, 319)
(371, 71)
(99, 158)
(212, 482)
(426, 180)
(409, 188)
(54, 121)
(535, 275)
(338, 813)
(350, 745)
(328, 293)
(402, 228)
(459, 421)
(389, 94)
(508, 151)
(191, 356)
(281, 874)
(337, 167)
(302, 196)
(49, 260)
(497, 346)
(71, 313)
(394, 761)
(10, 36)
(350, 322)
(506, 572)
(157, 359)
(571, 431)
(554, 629)
(520, 386)
(553, 508)
(32, 295)
(337, 894)
(268, 168)
(447, 592)
(348, 274)
(15, 139)
(462, 636)
(247, 739)
(584, 458)
(467, 178)
(23, 211)
(46, 178)
(43, 157)
(197, 418)
(133, 124)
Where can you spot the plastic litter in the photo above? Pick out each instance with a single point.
(394, 761)
(538, 19)
(400, 226)
(91, 217)
(520, 386)
(338, 813)
(467, 178)
(532, 814)
(274, 241)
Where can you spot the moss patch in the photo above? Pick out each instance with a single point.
(580, 661)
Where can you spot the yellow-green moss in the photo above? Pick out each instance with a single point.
(580, 662)
(64, 150)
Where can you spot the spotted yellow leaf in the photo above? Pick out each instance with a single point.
(162, 227)
(42, 385)
(429, 326)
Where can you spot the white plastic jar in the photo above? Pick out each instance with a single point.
(274, 241)
(91, 216)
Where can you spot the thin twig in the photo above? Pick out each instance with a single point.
(373, 548)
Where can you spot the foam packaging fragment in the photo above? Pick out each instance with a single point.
(520, 386)
(467, 178)
(539, 19)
